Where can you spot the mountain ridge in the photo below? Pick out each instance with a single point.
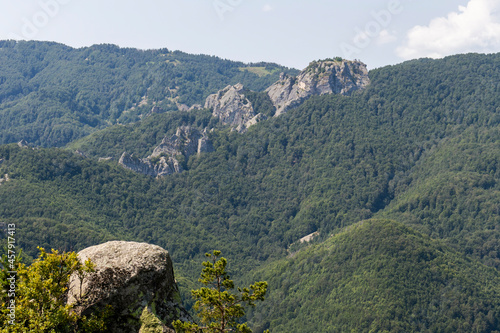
(232, 108)
(51, 94)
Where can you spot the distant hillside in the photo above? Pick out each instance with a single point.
(379, 276)
(51, 94)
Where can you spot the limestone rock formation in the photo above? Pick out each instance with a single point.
(232, 108)
(164, 160)
(23, 144)
(195, 107)
(80, 153)
(182, 107)
(137, 280)
(162, 167)
(186, 141)
(319, 78)
(5, 178)
(155, 110)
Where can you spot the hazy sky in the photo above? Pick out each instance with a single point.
(289, 32)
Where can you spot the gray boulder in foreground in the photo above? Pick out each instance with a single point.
(137, 280)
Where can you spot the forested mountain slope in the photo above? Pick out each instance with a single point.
(454, 194)
(418, 146)
(379, 276)
(51, 94)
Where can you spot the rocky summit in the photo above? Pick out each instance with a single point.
(136, 280)
(319, 78)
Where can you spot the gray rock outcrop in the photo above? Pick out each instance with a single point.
(5, 178)
(186, 141)
(136, 280)
(319, 78)
(232, 108)
(164, 160)
(162, 167)
(195, 107)
(80, 153)
(23, 144)
(155, 110)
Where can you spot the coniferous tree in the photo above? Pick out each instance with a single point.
(219, 308)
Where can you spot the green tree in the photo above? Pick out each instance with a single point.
(40, 295)
(219, 308)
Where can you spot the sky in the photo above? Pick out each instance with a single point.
(289, 32)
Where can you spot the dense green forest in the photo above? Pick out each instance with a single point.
(51, 94)
(379, 276)
(418, 146)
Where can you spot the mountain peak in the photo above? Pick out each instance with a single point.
(329, 76)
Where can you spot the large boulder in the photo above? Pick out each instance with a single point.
(136, 280)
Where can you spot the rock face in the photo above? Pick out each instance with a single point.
(164, 160)
(164, 166)
(232, 108)
(80, 153)
(186, 141)
(319, 78)
(23, 144)
(5, 178)
(137, 280)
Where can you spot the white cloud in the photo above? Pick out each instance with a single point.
(386, 37)
(267, 8)
(474, 28)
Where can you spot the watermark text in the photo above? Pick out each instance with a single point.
(47, 11)
(11, 273)
(224, 6)
(364, 36)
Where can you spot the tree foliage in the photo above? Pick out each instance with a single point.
(219, 308)
(41, 293)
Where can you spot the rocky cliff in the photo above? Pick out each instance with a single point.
(137, 280)
(164, 160)
(186, 141)
(232, 108)
(319, 78)
(161, 167)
